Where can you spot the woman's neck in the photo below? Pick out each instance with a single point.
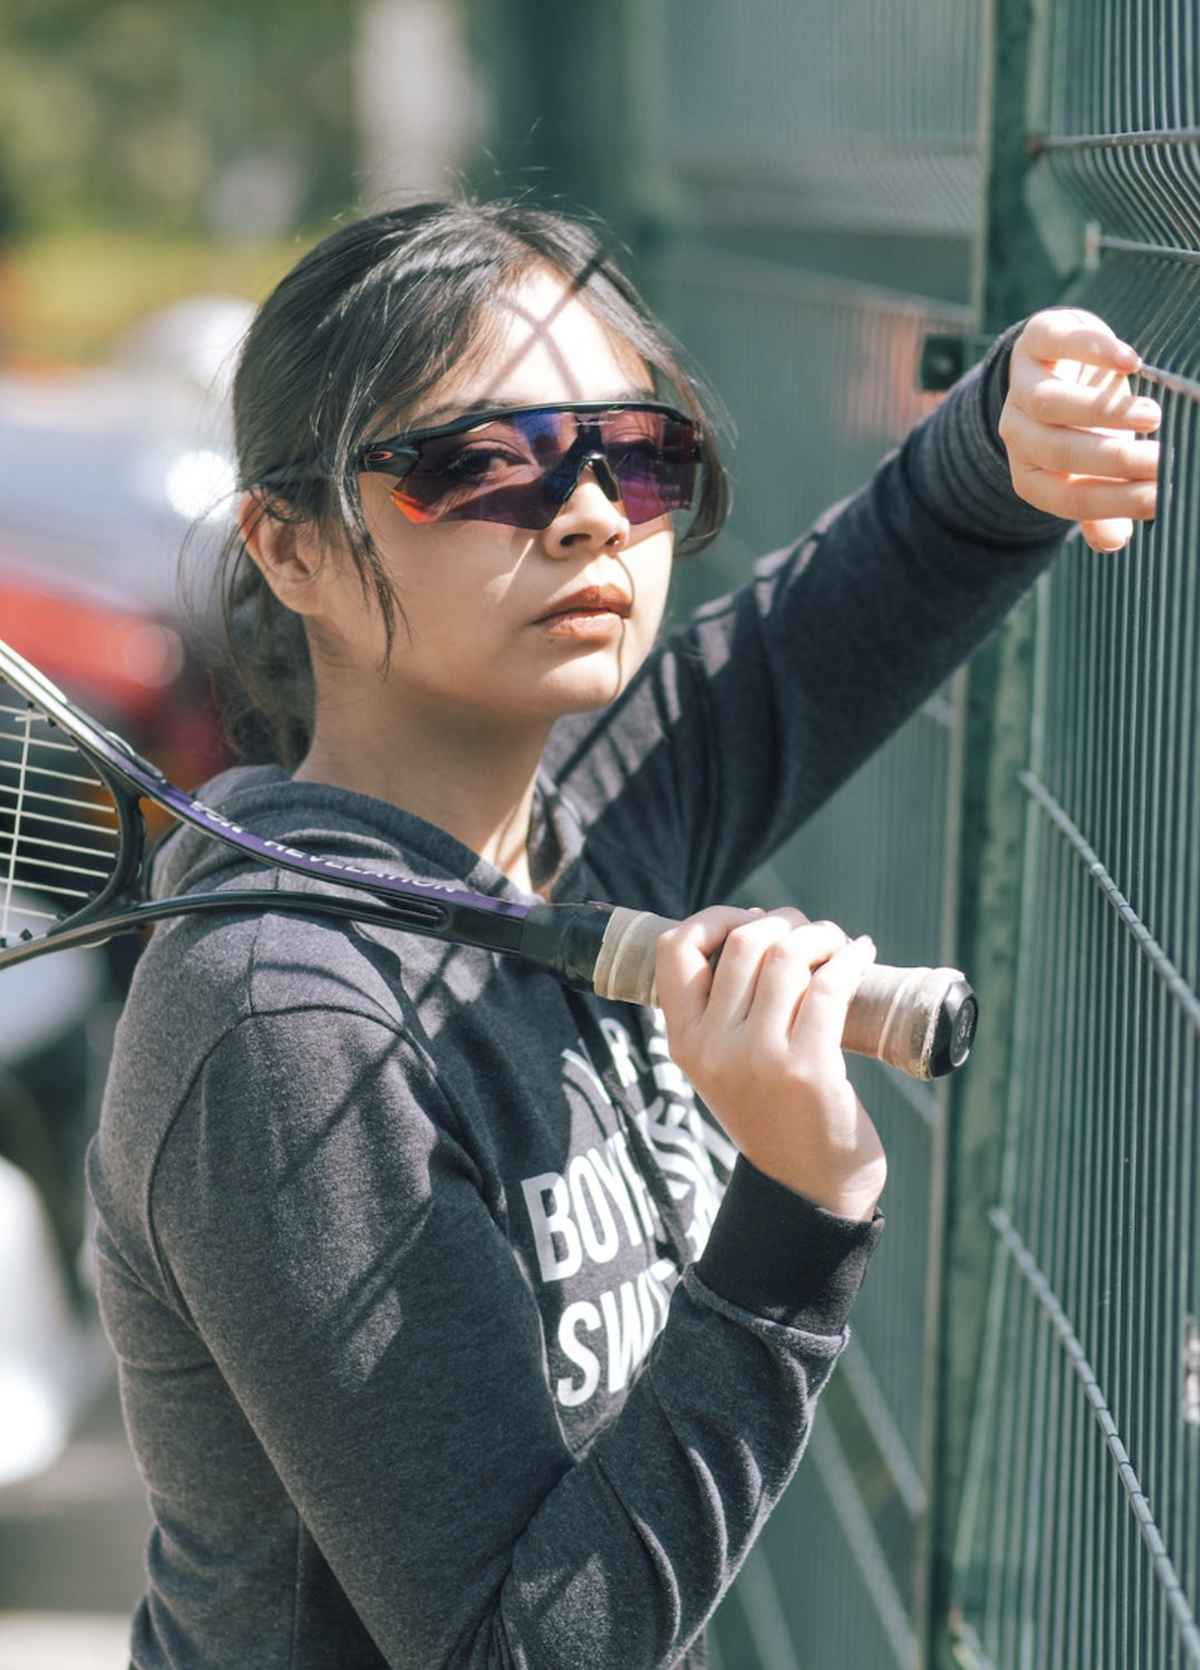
(473, 779)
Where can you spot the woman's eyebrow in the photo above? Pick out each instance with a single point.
(428, 419)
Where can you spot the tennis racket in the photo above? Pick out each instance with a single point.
(74, 871)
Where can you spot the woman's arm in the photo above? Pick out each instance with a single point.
(745, 722)
(329, 1240)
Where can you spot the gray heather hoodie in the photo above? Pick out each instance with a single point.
(391, 1232)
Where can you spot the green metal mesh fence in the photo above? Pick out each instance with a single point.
(1080, 1532)
(1005, 1468)
(1079, 1537)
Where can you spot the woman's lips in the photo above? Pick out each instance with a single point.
(582, 623)
(590, 612)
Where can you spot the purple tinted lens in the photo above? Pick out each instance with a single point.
(521, 469)
(489, 476)
(655, 465)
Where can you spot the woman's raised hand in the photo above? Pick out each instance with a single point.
(760, 1035)
(1071, 426)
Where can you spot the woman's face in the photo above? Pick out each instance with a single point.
(485, 635)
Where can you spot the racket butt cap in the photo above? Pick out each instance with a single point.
(955, 1031)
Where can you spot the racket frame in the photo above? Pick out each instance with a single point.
(929, 1014)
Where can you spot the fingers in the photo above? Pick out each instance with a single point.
(1085, 452)
(781, 939)
(1076, 435)
(694, 992)
(821, 1018)
(784, 975)
(1085, 498)
(1104, 401)
(1108, 534)
(1059, 333)
(683, 972)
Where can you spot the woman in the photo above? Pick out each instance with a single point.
(391, 1233)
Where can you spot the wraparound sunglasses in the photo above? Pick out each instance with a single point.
(520, 465)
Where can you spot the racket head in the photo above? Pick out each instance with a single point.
(72, 841)
(116, 777)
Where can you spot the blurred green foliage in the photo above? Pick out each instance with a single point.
(68, 296)
(176, 116)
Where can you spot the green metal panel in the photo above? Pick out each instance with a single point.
(823, 383)
(816, 222)
(1014, 276)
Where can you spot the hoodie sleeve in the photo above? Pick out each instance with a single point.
(744, 723)
(327, 1235)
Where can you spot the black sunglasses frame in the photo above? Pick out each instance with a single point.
(376, 457)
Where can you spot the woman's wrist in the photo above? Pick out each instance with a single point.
(853, 1196)
(778, 1254)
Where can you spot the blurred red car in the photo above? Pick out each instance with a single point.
(105, 475)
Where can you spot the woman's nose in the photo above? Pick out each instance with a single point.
(588, 518)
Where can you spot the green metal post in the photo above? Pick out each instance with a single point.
(1014, 275)
(568, 125)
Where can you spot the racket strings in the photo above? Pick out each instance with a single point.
(59, 829)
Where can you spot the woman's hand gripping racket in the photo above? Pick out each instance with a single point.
(74, 865)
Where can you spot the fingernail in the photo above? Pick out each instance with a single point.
(1130, 355)
(866, 942)
(1149, 409)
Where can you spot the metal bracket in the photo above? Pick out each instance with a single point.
(963, 1648)
(946, 358)
(1189, 1404)
(1092, 244)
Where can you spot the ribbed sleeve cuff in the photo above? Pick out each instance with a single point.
(779, 1255)
(957, 465)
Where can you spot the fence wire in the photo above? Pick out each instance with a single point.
(859, 117)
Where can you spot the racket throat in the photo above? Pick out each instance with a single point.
(566, 940)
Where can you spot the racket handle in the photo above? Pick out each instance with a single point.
(921, 1020)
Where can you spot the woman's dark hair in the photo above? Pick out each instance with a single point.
(361, 328)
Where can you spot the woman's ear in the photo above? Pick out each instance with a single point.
(286, 551)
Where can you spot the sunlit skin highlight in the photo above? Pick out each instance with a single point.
(455, 729)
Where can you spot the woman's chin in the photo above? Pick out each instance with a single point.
(587, 682)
